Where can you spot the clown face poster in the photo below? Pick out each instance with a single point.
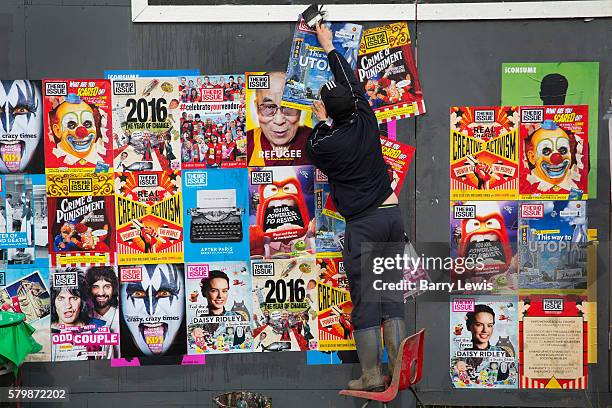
(27, 291)
(78, 123)
(84, 313)
(219, 308)
(387, 71)
(553, 333)
(485, 233)
(21, 127)
(285, 305)
(152, 299)
(329, 235)
(216, 212)
(553, 245)
(149, 217)
(23, 221)
(81, 231)
(281, 214)
(213, 121)
(484, 342)
(554, 153)
(484, 152)
(146, 125)
(557, 83)
(334, 306)
(276, 136)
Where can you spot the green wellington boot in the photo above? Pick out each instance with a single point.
(394, 331)
(369, 350)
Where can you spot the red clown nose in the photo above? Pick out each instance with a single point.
(556, 158)
(81, 132)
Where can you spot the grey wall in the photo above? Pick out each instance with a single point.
(459, 64)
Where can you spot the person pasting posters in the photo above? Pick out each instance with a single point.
(345, 145)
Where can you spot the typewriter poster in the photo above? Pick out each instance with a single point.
(334, 306)
(146, 124)
(23, 221)
(81, 231)
(484, 342)
(553, 334)
(485, 232)
(21, 127)
(219, 306)
(554, 149)
(285, 305)
(78, 123)
(216, 215)
(27, 291)
(553, 245)
(84, 315)
(484, 152)
(213, 121)
(281, 212)
(149, 217)
(152, 299)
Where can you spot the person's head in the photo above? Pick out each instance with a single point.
(183, 79)
(216, 290)
(191, 83)
(69, 306)
(190, 117)
(231, 79)
(123, 155)
(207, 79)
(228, 117)
(228, 137)
(103, 286)
(550, 152)
(214, 138)
(278, 124)
(197, 117)
(553, 89)
(480, 322)
(194, 93)
(338, 100)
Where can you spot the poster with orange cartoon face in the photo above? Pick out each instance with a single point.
(554, 152)
(77, 126)
(149, 217)
(281, 213)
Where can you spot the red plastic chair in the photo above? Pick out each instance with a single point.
(408, 371)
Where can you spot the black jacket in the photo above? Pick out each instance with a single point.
(349, 152)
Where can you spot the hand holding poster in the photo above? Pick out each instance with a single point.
(308, 67)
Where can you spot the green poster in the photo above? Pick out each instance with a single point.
(557, 83)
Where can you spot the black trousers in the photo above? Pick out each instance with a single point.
(379, 234)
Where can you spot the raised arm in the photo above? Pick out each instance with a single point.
(343, 73)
